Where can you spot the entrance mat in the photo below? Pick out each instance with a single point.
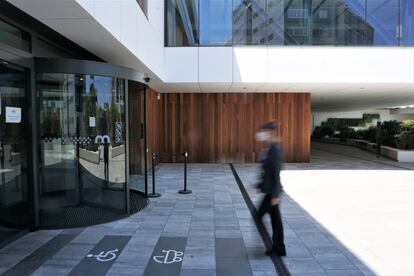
(167, 257)
(100, 259)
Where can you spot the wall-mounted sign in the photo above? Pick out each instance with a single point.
(92, 122)
(13, 115)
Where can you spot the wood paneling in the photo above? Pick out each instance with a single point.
(220, 127)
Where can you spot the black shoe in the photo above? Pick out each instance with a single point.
(275, 253)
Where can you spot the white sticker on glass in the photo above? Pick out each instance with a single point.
(92, 122)
(13, 115)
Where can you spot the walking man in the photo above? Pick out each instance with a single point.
(270, 184)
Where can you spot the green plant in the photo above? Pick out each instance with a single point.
(389, 131)
(359, 134)
(370, 134)
(322, 131)
(406, 140)
(407, 125)
(347, 133)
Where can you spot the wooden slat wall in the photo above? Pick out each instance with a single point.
(220, 127)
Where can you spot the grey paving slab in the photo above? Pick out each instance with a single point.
(32, 262)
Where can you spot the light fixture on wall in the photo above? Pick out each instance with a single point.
(158, 96)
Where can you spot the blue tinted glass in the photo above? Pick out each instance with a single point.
(349, 24)
(216, 22)
(297, 15)
(407, 23)
(275, 25)
(382, 16)
(249, 22)
(182, 23)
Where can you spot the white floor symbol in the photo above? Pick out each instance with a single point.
(104, 256)
(171, 256)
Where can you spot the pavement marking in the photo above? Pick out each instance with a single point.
(102, 256)
(277, 261)
(32, 262)
(167, 257)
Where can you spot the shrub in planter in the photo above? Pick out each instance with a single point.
(389, 131)
(327, 131)
(347, 133)
(359, 134)
(370, 134)
(322, 131)
(406, 140)
(407, 125)
(390, 128)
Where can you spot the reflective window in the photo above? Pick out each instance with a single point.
(275, 25)
(14, 185)
(382, 16)
(182, 23)
(349, 23)
(82, 134)
(295, 22)
(216, 22)
(407, 23)
(249, 22)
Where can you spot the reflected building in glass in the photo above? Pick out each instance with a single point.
(290, 22)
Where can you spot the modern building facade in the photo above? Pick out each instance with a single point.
(90, 88)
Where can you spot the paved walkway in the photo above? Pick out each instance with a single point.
(345, 213)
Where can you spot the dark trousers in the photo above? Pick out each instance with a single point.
(277, 225)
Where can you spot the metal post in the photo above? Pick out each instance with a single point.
(378, 138)
(185, 191)
(153, 194)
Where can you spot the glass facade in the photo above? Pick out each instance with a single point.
(14, 185)
(82, 145)
(290, 22)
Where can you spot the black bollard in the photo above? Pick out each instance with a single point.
(153, 194)
(185, 191)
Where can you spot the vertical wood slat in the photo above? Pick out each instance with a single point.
(220, 127)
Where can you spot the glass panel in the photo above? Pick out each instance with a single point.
(102, 156)
(136, 136)
(350, 24)
(14, 36)
(14, 202)
(249, 22)
(382, 16)
(297, 14)
(182, 22)
(407, 23)
(322, 15)
(275, 22)
(82, 121)
(58, 125)
(216, 22)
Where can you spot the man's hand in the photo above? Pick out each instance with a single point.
(274, 201)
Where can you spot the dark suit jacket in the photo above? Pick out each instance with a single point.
(272, 165)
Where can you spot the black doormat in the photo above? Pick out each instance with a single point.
(88, 214)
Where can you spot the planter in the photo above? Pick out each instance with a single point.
(116, 151)
(90, 156)
(392, 153)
